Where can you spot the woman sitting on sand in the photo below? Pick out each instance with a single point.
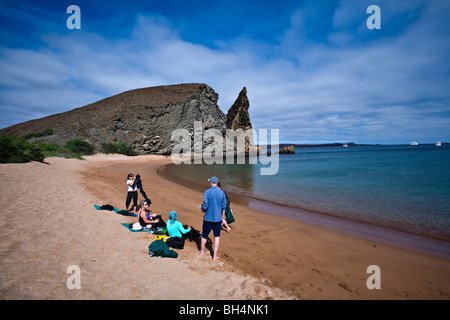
(141, 212)
(176, 229)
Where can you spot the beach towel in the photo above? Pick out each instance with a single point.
(129, 226)
(104, 207)
(126, 213)
(136, 227)
(111, 208)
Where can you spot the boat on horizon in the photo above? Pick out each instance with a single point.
(438, 144)
(414, 143)
(345, 145)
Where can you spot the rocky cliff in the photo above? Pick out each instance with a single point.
(143, 118)
(238, 116)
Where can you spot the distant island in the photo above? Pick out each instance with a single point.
(334, 144)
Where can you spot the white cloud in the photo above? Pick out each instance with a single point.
(314, 92)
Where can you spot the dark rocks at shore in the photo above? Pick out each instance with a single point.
(287, 150)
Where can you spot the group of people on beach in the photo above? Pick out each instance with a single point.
(215, 204)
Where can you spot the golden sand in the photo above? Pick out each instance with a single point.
(49, 223)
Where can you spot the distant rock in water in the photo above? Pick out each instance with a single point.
(287, 150)
(143, 118)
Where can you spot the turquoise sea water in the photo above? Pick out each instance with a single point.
(401, 187)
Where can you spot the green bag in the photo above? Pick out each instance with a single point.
(159, 248)
(229, 215)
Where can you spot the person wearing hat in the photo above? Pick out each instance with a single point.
(214, 205)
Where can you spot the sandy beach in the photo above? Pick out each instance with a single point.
(49, 223)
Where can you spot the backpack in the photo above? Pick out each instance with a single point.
(175, 242)
(107, 207)
(159, 248)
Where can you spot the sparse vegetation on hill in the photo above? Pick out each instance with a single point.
(120, 148)
(19, 150)
(55, 150)
(45, 133)
(79, 146)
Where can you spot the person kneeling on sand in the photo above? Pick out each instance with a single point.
(176, 229)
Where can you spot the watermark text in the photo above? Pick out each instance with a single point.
(235, 147)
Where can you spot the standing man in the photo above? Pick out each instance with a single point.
(214, 206)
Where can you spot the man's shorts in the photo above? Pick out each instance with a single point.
(208, 226)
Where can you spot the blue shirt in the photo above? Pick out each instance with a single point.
(214, 202)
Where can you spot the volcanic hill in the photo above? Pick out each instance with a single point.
(143, 118)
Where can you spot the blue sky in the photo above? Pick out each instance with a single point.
(312, 69)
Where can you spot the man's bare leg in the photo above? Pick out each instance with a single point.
(216, 248)
(202, 246)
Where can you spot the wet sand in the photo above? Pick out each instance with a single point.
(264, 256)
(428, 245)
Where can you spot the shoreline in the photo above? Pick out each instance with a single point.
(366, 230)
(428, 245)
(310, 262)
(423, 214)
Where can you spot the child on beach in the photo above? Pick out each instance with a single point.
(224, 221)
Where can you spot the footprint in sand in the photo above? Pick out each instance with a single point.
(316, 270)
(347, 287)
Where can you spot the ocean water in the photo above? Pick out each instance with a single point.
(401, 187)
